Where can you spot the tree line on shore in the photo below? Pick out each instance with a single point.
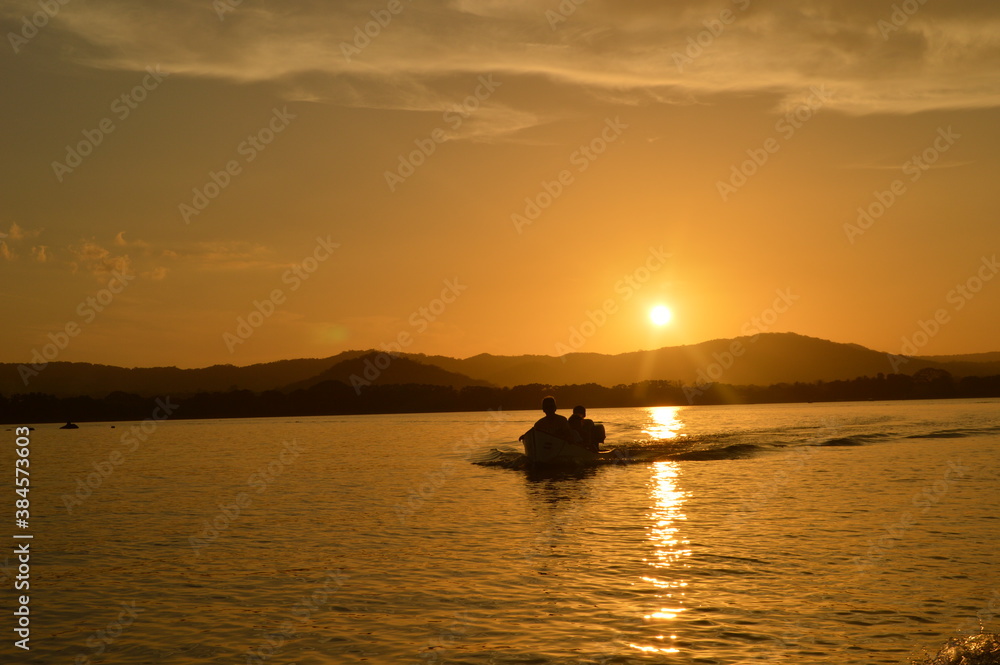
(338, 398)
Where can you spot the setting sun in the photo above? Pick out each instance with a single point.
(660, 315)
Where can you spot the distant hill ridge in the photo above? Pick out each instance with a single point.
(765, 359)
(375, 368)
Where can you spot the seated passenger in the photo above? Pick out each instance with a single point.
(554, 424)
(591, 433)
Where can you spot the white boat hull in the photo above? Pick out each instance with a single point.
(543, 449)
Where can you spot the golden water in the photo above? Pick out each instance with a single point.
(378, 539)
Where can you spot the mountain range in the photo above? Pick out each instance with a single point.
(767, 358)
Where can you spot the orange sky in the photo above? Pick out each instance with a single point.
(495, 176)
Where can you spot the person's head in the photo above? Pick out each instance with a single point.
(579, 410)
(549, 405)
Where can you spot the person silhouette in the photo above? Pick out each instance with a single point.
(552, 423)
(591, 435)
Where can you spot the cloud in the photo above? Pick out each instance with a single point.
(120, 241)
(17, 233)
(492, 123)
(227, 256)
(156, 274)
(89, 255)
(12, 238)
(153, 262)
(40, 253)
(884, 166)
(943, 56)
(98, 261)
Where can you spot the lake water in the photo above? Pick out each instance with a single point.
(814, 533)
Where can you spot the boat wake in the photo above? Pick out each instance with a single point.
(982, 649)
(642, 452)
(738, 444)
(958, 433)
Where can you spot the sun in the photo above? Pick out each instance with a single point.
(661, 315)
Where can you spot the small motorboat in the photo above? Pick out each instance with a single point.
(543, 449)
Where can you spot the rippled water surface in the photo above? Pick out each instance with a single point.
(821, 533)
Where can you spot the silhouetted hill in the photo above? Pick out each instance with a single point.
(64, 379)
(992, 358)
(373, 369)
(337, 398)
(768, 358)
(765, 359)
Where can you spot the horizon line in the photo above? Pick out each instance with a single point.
(500, 355)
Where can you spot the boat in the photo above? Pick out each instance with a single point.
(544, 449)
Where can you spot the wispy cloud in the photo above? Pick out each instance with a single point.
(886, 166)
(227, 256)
(92, 258)
(944, 56)
(13, 243)
(40, 253)
(121, 241)
(17, 233)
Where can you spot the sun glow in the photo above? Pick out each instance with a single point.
(660, 315)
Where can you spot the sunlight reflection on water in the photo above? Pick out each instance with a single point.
(669, 545)
(750, 558)
(665, 423)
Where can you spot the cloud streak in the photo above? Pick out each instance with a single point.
(944, 56)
